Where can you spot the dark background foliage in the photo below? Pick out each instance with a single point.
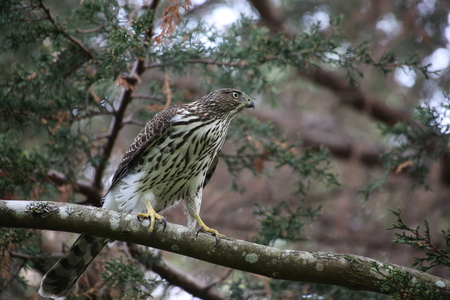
(350, 123)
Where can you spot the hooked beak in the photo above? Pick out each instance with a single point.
(250, 103)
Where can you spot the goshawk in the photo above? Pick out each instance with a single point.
(172, 159)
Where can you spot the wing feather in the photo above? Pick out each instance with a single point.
(211, 170)
(155, 129)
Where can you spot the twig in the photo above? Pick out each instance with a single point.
(92, 193)
(67, 35)
(199, 61)
(90, 30)
(134, 112)
(24, 7)
(430, 246)
(124, 100)
(22, 256)
(133, 122)
(352, 96)
(153, 97)
(100, 136)
(89, 115)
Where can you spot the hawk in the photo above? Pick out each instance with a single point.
(172, 159)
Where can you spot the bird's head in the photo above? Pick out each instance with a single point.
(227, 101)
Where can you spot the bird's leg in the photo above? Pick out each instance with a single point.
(151, 213)
(205, 228)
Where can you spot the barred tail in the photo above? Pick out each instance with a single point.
(58, 282)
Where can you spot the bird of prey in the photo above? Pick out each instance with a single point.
(171, 160)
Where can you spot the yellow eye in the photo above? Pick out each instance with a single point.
(235, 95)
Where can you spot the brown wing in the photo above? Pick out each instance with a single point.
(155, 129)
(211, 170)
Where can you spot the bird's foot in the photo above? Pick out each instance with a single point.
(205, 228)
(218, 235)
(153, 216)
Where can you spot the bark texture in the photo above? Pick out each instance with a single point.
(347, 270)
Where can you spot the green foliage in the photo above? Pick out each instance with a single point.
(148, 258)
(283, 222)
(421, 241)
(50, 101)
(260, 143)
(13, 240)
(56, 101)
(416, 145)
(397, 284)
(401, 285)
(125, 279)
(237, 289)
(18, 169)
(245, 55)
(95, 43)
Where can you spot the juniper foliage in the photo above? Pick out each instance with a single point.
(65, 68)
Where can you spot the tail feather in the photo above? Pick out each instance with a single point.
(60, 279)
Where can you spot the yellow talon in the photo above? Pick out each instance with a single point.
(152, 215)
(205, 228)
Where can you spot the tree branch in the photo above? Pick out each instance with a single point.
(356, 98)
(270, 16)
(368, 154)
(177, 277)
(92, 193)
(186, 281)
(74, 40)
(124, 100)
(239, 64)
(353, 96)
(347, 270)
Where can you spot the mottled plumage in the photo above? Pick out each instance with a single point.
(171, 159)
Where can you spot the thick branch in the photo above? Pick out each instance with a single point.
(351, 271)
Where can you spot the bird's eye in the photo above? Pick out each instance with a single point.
(235, 95)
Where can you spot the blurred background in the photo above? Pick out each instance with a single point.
(332, 82)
